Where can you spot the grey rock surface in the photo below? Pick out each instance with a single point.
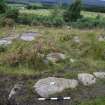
(28, 36)
(52, 85)
(15, 89)
(100, 75)
(86, 79)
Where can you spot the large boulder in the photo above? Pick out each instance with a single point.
(52, 85)
(55, 57)
(86, 79)
(99, 75)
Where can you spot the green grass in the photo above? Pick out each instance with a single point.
(97, 101)
(88, 56)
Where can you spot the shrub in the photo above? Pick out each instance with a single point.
(73, 12)
(3, 48)
(12, 13)
(3, 6)
(2, 17)
(24, 58)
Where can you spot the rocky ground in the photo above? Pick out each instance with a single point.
(26, 95)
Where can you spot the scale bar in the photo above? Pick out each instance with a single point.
(54, 98)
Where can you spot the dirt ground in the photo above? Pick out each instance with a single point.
(27, 96)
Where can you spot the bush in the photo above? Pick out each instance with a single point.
(2, 17)
(3, 6)
(12, 13)
(22, 57)
(73, 12)
(3, 48)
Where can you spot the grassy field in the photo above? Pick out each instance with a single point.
(42, 12)
(23, 58)
(88, 54)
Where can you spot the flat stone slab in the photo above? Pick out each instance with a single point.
(28, 36)
(52, 85)
(86, 79)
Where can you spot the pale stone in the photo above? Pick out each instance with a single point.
(55, 57)
(76, 39)
(5, 42)
(15, 89)
(100, 75)
(101, 38)
(28, 36)
(52, 85)
(72, 60)
(86, 79)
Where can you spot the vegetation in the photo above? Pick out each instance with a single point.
(97, 101)
(3, 6)
(29, 58)
(86, 54)
(73, 12)
(39, 6)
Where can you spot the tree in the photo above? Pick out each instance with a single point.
(3, 6)
(73, 12)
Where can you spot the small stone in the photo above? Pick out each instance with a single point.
(76, 39)
(55, 57)
(99, 75)
(72, 60)
(15, 89)
(101, 38)
(86, 79)
(5, 42)
(52, 85)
